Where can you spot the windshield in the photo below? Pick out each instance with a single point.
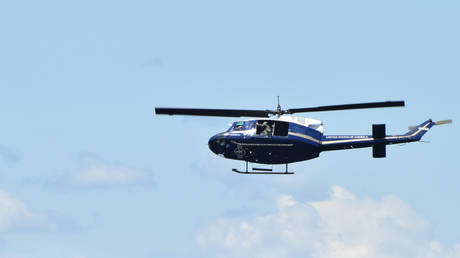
(242, 125)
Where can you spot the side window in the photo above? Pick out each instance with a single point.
(281, 128)
(270, 128)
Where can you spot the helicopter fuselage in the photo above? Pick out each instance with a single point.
(270, 141)
(291, 139)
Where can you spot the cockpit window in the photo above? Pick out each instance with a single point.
(242, 125)
(248, 125)
(238, 126)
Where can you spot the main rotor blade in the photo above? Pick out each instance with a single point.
(212, 112)
(348, 106)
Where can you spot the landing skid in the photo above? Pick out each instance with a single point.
(262, 171)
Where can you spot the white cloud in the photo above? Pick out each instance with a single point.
(103, 174)
(14, 213)
(96, 172)
(285, 201)
(16, 217)
(341, 226)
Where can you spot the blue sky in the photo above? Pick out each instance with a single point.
(86, 170)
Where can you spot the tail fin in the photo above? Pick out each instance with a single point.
(416, 132)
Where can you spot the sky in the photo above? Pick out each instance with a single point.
(87, 170)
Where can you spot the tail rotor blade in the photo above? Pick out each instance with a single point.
(443, 122)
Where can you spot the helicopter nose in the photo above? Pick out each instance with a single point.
(217, 144)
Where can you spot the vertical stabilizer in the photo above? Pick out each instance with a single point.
(378, 148)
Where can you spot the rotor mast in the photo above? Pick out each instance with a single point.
(279, 112)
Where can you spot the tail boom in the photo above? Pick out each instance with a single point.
(377, 140)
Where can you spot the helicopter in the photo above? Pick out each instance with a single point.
(276, 137)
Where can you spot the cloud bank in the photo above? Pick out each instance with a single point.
(341, 226)
(99, 173)
(95, 172)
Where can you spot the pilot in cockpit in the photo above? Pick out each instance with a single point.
(238, 126)
(267, 130)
